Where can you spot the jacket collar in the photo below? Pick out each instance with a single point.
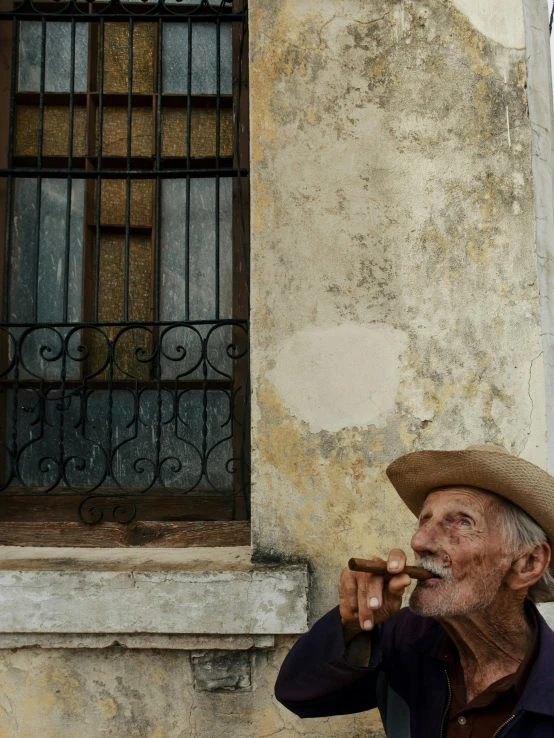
(538, 694)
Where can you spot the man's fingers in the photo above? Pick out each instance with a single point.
(365, 615)
(347, 612)
(398, 584)
(370, 598)
(348, 589)
(374, 596)
(364, 597)
(396, 560)
(348, 596)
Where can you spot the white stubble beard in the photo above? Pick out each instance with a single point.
(445, 597)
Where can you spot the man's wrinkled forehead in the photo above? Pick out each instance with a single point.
(476, 497)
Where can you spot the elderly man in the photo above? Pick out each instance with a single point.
(471, 657)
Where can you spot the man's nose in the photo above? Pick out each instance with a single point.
(424, 539)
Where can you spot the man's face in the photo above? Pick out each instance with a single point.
(458, 538)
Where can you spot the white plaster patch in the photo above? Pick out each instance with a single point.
(340, 377)
(500, 21)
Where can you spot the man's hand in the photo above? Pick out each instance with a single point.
(366, 600)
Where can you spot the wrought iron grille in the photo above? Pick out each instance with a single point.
(124, 333)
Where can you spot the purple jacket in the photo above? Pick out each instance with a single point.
(405, 679)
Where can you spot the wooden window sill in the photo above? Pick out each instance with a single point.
(146, 534)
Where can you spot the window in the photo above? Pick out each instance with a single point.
(124, 335)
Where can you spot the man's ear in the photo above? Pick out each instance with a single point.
(529, 567)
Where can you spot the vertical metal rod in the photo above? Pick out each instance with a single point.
(158, 353)
(187, 204)
(245, 427)
(189, 90)
(8, 234)
(39, 167)
(7, 252)
(244, 431)
(157, 216)
(100, 135)
(217, 152)
(128, 180)
(66, 278)
(63, 375)
(187, 248)
(109, 438)
(205, 409)
(238, 158)
(15, 419)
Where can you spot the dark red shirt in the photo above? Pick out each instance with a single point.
(488, 711)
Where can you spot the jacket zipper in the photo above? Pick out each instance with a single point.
(447, 708)
(509, 720)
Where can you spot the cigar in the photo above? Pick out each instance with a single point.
(380, 567)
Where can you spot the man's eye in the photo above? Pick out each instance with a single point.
(463, 521)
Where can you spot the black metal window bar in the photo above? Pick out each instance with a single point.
(124, 335)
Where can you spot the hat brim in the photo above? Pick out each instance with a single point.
(416, 474)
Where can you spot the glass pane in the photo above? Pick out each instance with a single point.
(111, 284)
(111, 305)
(52, 247)
(55, 138)
(202, 249)
(114, 131)
(41, 347)
(134, 432)
(204, 68)
(57, 73)
(201, 290)
(114, 200)
(116, 57)
(203, 132)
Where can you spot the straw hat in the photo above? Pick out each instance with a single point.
(489, 467)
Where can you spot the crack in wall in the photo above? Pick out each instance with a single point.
(529, 394)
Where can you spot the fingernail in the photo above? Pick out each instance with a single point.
(374, 602)
(368, 625)
(393, 565)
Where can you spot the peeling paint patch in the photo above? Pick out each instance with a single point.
(340, 377)
(501, 22)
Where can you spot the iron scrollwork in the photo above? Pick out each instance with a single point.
(91, 413)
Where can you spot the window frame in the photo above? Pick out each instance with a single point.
(28, 518)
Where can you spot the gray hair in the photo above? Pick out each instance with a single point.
(519, 531)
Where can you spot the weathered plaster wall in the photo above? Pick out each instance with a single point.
(395, 297)
(115, 693)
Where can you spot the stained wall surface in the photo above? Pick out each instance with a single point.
(395, 307)
(395, 296)
(115, 693)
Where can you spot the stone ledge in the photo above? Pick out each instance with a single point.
(41, 558)
(133, 640)
(155, 591)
